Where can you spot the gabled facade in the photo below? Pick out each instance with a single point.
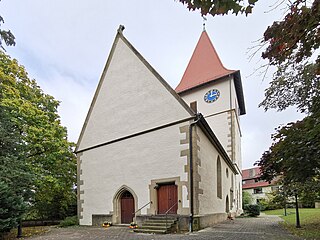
(255, 186)
(143, 151)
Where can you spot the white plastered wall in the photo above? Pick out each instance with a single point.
(130, 99)
(214, 113)
(209, 203)
(133, 162)
(256, 196)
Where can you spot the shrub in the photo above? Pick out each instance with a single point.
(253, 210)
(69, 221)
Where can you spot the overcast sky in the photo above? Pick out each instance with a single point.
(64, 46)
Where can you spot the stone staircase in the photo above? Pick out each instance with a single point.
(158, 224)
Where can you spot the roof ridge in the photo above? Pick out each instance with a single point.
(204, 66)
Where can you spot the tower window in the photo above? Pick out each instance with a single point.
(193, 106)
(219, 178)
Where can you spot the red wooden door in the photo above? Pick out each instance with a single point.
(167, 197)
(127, 207)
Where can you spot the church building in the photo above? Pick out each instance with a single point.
(147, 150)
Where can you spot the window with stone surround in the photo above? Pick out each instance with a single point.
(219, 179)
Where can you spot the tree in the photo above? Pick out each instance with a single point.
(6, 36)
(37, 157)
(293, 48)
(246, 199)
(294, 155)
(11, 207)
(220, 7)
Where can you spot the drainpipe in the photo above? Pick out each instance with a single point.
(191, 173)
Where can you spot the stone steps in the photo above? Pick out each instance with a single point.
(157, 225)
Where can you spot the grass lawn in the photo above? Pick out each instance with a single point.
(309, 221)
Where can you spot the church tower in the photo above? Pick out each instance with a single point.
(216, 92)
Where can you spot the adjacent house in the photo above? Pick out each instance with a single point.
(253, 184)
(148, 150)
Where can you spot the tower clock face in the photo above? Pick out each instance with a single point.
(211, 96)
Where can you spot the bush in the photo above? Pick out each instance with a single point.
(253, 210)
(69, 221)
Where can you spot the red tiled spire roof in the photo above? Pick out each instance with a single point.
(204, 66)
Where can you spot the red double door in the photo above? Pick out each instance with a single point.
(167, 197)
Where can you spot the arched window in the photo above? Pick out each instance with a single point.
(227, 204)
(219, 180)
(231, 192)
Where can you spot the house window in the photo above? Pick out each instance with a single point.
(219, 180)
(257, 190)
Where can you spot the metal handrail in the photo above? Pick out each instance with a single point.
(142, 208)
(169, 211)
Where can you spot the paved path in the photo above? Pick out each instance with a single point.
(263, 227)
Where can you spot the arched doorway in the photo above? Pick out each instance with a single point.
(127, 207)
(124, 204)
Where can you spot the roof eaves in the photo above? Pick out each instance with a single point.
(206, 82)
(239, 90)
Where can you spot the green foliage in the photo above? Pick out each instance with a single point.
(6, 36)
(294, 155)
(253, 210)
(11, 207)
(293, 85)
(293, 45)
(37, 160)
(309, 219)
(220, 7)
(278, 200)
(69, 221)
(263, 204)
(246, 199)
(296, 37)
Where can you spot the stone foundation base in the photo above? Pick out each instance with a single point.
(99, 219)
(199, 221)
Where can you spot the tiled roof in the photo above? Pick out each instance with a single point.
(251, 173)
(204, 66)
(255, 184)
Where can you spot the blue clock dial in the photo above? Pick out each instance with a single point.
(212, 95)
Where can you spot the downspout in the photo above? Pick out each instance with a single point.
(191, 173)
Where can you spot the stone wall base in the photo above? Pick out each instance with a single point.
(209, 220)
(199, 221)
(99, 219)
